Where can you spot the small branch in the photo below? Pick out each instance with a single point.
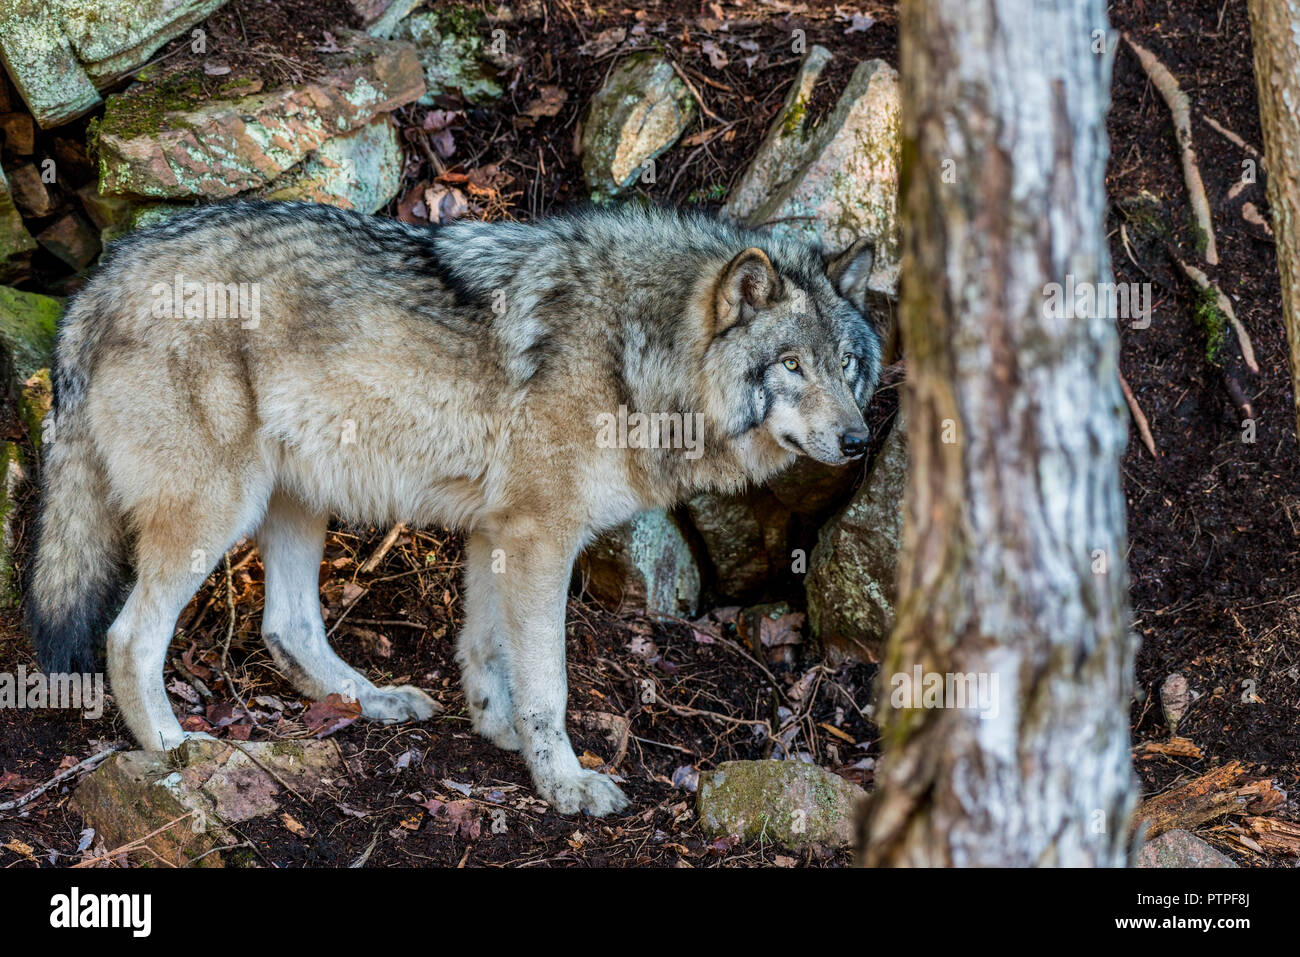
(371, 563)
(1212, 795)
(1180, 108)
(696, 93)
(85, 765)
(1139, 419)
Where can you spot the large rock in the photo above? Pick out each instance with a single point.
(1179, 848)
(646, 565)
(29, 191)
(852, 573)
(785, 147)
(61, 54)
(71, 239)
(450, 45)
(789, 802)
(16, 243)
(746, 536)
(756, 537)
(210, 784)
(27, 322)
(835, 182)
(161, 140)
(361, 171)
(643, 108)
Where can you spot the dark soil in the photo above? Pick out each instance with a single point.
(1213, 523)
(1215, 557)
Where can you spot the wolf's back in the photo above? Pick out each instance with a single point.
(76, 576)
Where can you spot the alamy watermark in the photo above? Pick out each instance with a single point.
(1098, 300)
(188, 299)
(651, 430)
(975, 691)
(69, 690)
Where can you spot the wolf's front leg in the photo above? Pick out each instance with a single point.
(534, 588)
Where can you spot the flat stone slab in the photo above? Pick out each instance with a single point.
(60, 54)
(207, 784)
(159, 140)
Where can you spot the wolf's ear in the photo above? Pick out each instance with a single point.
(748, 283)
(850, 271)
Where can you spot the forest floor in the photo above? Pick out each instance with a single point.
(1213, 522)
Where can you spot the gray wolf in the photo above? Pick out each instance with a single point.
(459, 375)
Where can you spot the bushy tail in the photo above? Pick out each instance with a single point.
(76, 578)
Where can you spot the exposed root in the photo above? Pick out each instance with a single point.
(1180, 108)
(1225, 306)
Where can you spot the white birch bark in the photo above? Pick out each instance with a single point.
(1013, 556)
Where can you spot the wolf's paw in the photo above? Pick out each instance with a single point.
(589, 791)
(172, 739)
(394, 703)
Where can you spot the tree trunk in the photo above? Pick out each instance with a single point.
(1275, 33)
(1014, 544)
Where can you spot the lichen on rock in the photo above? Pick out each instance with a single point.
(784, 802)
(642, 110)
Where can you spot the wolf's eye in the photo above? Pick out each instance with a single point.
(846, 359)
(791, 363)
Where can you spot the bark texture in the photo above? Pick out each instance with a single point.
(1014, 541)
(1275, 33)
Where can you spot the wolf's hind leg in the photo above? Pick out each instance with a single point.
(482, 652)
(291, 541)
(170, 567)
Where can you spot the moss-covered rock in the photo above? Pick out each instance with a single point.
(450, 44)
(27, 322)
(40, 59)
(60, 53)
(642, 110)
(783, 802)
(362, 170)
(852, 572)
(784, 148)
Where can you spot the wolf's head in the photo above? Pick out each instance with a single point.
(797, 359)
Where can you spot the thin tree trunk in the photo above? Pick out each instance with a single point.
(1013, 557)
(1275, 33)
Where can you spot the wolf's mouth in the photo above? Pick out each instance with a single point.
(787, 437)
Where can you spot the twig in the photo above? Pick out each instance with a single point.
(696, 93)
(1180, 108)
(137, 844)
(30, 796)
(1139, 419)
(371, 563)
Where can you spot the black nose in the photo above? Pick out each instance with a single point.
(854, 443)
